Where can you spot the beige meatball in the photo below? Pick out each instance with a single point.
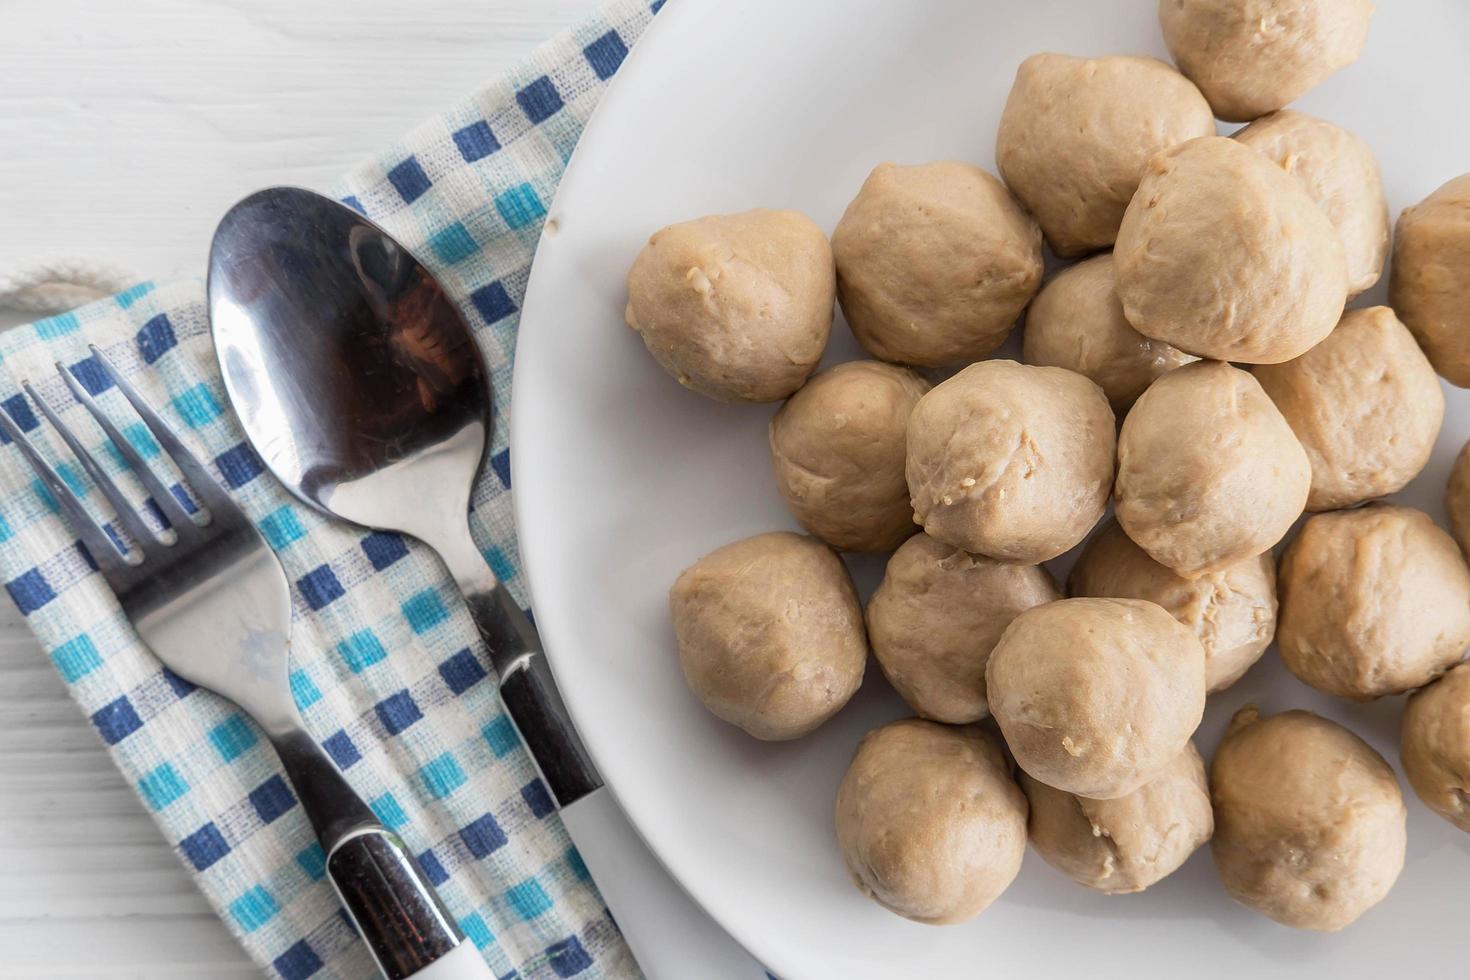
(738, 306)
(1309, 820)
(1435, 746)
(1077, 323)
(1251, 57)
(1209, 473)
(1224, 254)
(1429, 279)
(837, 447)
(936, 616)
(934, 263)
(1457, 498)
(770, 633)
(1364, 404)
(1076, 133)
(1096, 696)
(1010, 460)
(1340, 173)
(1231, 610)
(929, 821)
(1124, 845)
(1374, 601)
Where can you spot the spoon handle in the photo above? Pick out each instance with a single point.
(530, 696)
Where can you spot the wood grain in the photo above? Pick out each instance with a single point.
(129, 128)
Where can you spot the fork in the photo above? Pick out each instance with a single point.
(210, 599)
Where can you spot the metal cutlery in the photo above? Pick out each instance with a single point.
(359, 384)
(362, 388)
(209, 598)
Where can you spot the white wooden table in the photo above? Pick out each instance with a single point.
(126, 129)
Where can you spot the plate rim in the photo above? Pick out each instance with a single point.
(771, 950)
(532, 570)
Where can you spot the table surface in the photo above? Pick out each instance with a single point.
(127, 130)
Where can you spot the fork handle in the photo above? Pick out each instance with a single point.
(396, 910)
(386, 894)
(331, 804)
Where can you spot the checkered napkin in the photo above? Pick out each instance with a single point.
(386, 665)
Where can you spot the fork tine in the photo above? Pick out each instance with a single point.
(162, 496)
(140, 532)
(206, 488)
(106, 554)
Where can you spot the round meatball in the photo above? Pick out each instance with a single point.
(1124, 845)
(1209, 473)
(936, 616)
(1077, 323)
(838, 451)
(934, 263)
(770, 633)
(929, 821)
(1309, 821)
(1435, 746)
(1224, 254)
(1364, 404)
(1251, 57)
(1374, 601)
(1340, 173)
(1231, 610)
(1428, 285)
(738, 306)
(1076, 133)
(1011, 461)
(1457, 498)
(1096, 696)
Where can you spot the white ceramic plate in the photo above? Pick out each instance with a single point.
(623, 478)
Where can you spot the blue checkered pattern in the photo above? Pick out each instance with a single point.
(386, 665)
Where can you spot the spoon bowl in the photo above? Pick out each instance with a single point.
(361, 387)
(355, 377)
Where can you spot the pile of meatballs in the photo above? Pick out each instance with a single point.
(1206, 315)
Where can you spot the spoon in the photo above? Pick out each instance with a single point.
(360, 386)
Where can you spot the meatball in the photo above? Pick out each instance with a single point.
(1457, 498)
(1309, 821)
(1364, 404)
(1096, 696)
(1011, 461)
(838, 451)
(1435, 746)
(929, 821)
(934, 263)
(1076, 133)
(1429, 278)
(1124, 845)
(1224, 254)
(936, 616)
(1374, 601)
(1077, 323)
(770, 633)
(1340, 173)
(737, 307)
(1251, 57)
(1209, 473)
(1232, 610)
